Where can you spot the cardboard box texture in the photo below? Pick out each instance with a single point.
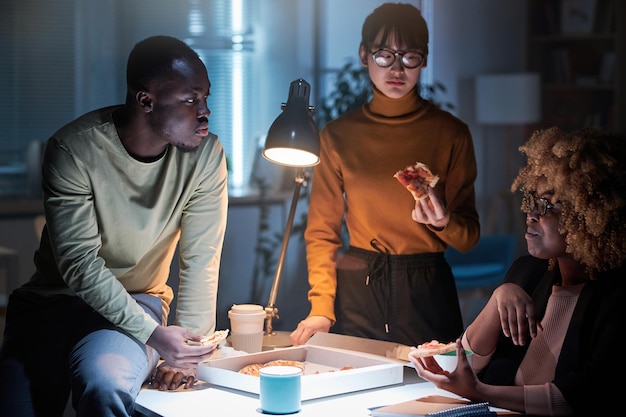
(322, 376)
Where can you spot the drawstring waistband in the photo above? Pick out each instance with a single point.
(378, 266)
(378, 262)
(381, 264)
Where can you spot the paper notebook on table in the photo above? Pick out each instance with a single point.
(435, 406)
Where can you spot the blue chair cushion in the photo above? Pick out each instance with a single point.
(485, 265)
(478, 275)
(472, 271)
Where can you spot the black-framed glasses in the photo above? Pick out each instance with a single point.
(541, 205)
(385, 58)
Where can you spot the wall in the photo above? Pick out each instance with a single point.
(19, 234)
(238, 282)
(469, 37)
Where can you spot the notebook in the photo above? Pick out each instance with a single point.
(434, 406)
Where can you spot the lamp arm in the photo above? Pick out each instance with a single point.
(271, 310)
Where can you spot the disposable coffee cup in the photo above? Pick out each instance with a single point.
(246, 327)
(281, 389)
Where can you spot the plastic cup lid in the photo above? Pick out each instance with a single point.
(280, 370)
(246, 308)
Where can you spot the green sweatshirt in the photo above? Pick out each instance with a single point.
(113, 224)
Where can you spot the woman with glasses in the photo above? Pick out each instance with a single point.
(548, 341)
(393, 283)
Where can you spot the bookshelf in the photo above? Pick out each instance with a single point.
(579, 48)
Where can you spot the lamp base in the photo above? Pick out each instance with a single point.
(276, 340)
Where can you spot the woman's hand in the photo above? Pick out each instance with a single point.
(516, 312)
(430, 211)
(308, 327)
(462, 381)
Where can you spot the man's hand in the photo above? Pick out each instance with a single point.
(308, 327)
(171, 343)
(169, 378)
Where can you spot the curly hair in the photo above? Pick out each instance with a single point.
(586, 169)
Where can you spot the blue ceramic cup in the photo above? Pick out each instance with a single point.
(280, 391)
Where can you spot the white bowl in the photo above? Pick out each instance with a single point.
(448, 361)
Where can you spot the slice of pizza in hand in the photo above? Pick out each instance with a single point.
(417, 178)
(432, 348)
(215, 339)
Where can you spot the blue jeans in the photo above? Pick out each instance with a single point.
(60, 345)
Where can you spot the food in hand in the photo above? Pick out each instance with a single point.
(434, 347)
(417, 179)
(215, 339)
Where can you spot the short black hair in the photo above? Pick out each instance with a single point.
(152, 58)
(402, 20)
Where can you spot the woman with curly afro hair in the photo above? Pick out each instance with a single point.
(548, 340)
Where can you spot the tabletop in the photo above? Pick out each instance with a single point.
(207, 400)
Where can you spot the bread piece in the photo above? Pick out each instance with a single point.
(432, 348)
(215, 339)
(252, 369)
(417, 179)
(282, 362)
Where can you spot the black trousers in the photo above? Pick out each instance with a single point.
(408, 299)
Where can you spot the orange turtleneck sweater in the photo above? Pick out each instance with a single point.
(360, 153)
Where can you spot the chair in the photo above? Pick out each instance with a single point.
(480, 270)
(9, 268)
(38, 223)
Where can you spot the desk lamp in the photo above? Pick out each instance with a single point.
(293, 140)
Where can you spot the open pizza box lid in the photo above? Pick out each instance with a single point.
(372, 363)
(389, 350)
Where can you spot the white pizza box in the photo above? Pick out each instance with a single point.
(322, 376)
(390, 350)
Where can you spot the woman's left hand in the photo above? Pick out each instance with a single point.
(462, 381)
(431, 211)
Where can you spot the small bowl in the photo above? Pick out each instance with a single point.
(448, 361)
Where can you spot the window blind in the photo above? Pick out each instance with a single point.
(36, 81)
(63, 58)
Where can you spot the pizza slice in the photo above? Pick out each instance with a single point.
(252, 369)
(417, 178)
(432, 348)
(215, 339)
(283, 362)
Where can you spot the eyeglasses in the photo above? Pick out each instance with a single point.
(531, 203)
(385, 58)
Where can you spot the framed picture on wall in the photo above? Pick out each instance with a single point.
(577, 16)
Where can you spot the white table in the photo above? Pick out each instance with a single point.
(212, 400)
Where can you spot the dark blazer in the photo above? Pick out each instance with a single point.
(591, 369)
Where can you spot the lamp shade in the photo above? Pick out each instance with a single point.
(293, 138)
(508, 99)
